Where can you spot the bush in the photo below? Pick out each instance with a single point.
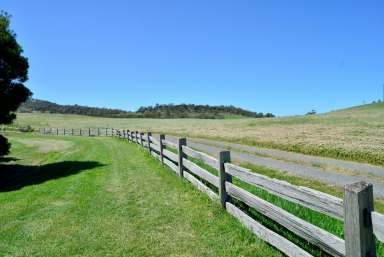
(4, 146)
(26, 129)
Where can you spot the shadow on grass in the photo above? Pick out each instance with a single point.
(8, 159)
(16, 176)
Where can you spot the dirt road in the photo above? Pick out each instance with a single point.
(330, 171)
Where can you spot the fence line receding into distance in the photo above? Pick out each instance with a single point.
(361, 223)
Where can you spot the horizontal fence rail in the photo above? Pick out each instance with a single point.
(316, 200)
(79, 132)
(361, 222)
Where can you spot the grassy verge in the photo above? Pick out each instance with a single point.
(332, 225)
(104, 197)
(301, 181)
(325, 222)
(319, 150)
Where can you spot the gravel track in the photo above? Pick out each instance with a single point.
(288, 162)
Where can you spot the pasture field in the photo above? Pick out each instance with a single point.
(101, 196)
(80, 196)
(352, 134)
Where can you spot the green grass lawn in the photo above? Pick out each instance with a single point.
(79, 196)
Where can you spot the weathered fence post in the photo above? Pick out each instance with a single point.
(149, 134)
(98, 132)
(57, 131)
(358, 231)
(81, 132)
(106, 132)
(137, 136)
(132, 136)
(141, 139)
(161, 137)
(64, 132)
(89, 132)
(72, 132)
(224, 157)
(180, 143)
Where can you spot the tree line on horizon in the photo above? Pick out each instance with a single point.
(160, 111)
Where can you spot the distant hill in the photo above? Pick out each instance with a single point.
(36, 105)
(157, 111)
(197, 111)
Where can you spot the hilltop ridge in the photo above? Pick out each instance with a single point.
(156, 111)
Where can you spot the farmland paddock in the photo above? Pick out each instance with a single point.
(356, 211)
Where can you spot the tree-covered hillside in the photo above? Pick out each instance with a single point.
(197, 111)
(36, 105)
(158, 111)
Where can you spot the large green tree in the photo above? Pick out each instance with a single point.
(13, 75)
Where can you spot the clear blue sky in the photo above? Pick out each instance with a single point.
(285, 57)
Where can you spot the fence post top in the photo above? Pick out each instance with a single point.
(357, 187)
(182, 140)
(162, 136)
(225, 156)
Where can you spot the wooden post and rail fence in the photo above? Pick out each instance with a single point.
(361, 223)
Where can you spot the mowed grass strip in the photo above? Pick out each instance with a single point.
(105, 197)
